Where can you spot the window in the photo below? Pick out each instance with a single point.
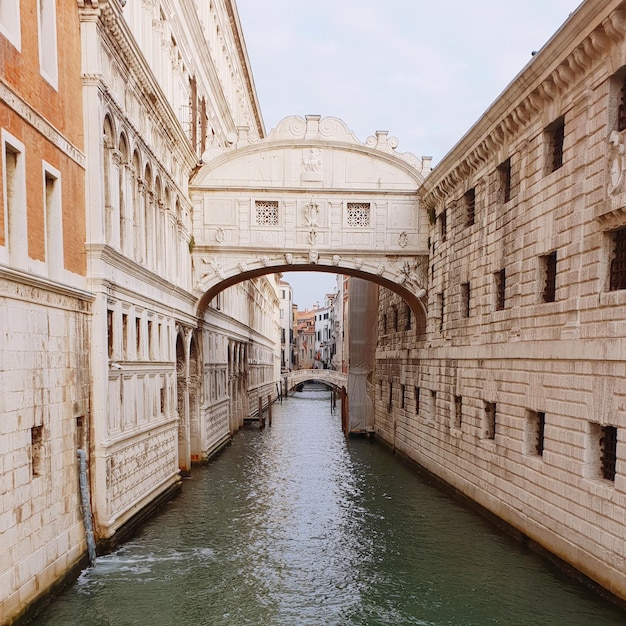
(489, 424)
(534, 433)
(465, 299)
(443, 225)
(54, 221)
(36, 451)
(608, 452)
(15, 233)
(110, 333)
(407, 310)
(266, 213)
(125, 336)
(10, 22)
(384, 323)
(470, 206)
(621, 107)
(80, 432)
(458, 411)
(442, 306)
(358, 214)
(504, 181)
(395, 319)
(48, 41)
(138, 336)
(548, 265)
(402, 392)
(617, 272)
(390, 399)
(500, 285)
(555, 136)
(417, 400)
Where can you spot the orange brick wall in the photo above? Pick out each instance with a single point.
(63, 110)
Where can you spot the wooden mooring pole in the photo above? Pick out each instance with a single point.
(269, 410)
(261, 418)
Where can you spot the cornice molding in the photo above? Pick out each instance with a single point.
(39, 123)
(581, 43)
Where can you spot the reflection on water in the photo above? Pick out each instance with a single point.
(295, 526)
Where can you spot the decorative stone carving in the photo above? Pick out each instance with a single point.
(312, 162)
(313, 256)
(312, 237)
(336, 259)
(617, 162)
(220, 234)
(265, 261)
(380, 269)
(358, 263)
(312, 214)
(243, 267)
(289, 258)
(403, 239)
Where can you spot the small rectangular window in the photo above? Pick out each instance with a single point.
(407, 310)
(621, 107)
(14, 235)
(124, 336)
(358, 214)
(442, 307)
(500, 285)
(555, 137)
(402, 392)
(48, 41)
(458, 411)
(470, 206)
(138, 336)
(80, 432)
(417, 400)
(390, 399)
(465, 299)
(54, 221)
(36, 450)
(548, 264)
(489, 425)
(617, 272)
(608, 452)
(266, 212)
(534, 434)
(110, 343)
(504, 181)
(443, 225)
(10, 22)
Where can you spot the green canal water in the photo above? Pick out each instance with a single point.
(293, 526)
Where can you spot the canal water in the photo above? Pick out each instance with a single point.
(294, 526)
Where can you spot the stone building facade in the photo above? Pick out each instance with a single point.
(44, 302)
(515, 392)
(106, 108)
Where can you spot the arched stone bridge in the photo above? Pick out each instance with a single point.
(310, 196)
(331, 377)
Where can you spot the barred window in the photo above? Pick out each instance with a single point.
(489, 424)
(618, 260)
(621, 108)
(549, 271)
(504, 179)
(500, 280)
(608, 452)
(266, 212)
(465, 299)
(358, 214)
(470, 207)
(534, 433)
(555, 136)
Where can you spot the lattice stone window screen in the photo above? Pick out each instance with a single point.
(359, 214)
(266, 212)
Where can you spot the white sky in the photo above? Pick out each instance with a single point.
(425, 70)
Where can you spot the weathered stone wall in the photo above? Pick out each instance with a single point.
(45, 411)
(522, 371)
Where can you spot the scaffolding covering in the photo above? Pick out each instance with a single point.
(363, 319)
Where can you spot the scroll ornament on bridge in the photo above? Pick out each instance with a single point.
(408, 277)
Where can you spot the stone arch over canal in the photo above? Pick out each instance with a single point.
(310, 196)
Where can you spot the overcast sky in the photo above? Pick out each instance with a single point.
(425, 70)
